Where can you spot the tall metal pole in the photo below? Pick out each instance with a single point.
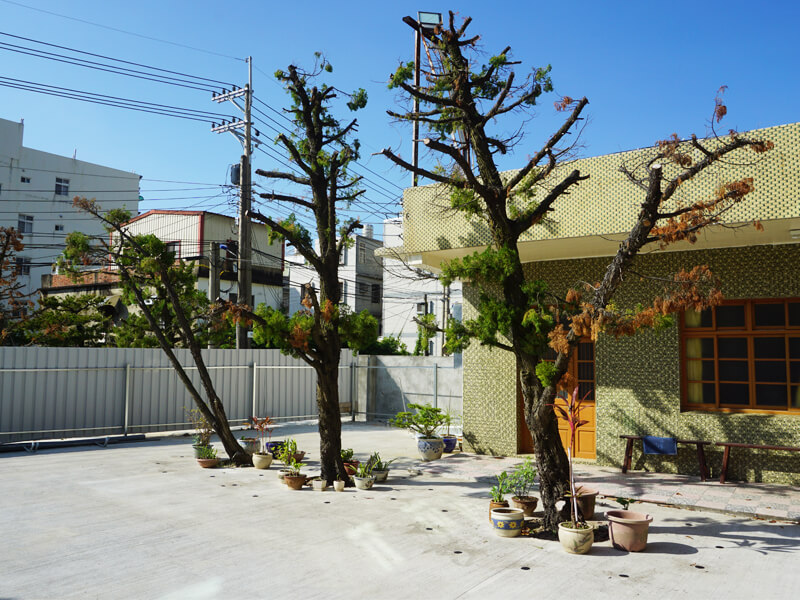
(415, 133)
(244, 264)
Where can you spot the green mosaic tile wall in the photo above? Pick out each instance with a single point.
(638, 378)
(430, 225)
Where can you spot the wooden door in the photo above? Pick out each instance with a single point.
(580, 373)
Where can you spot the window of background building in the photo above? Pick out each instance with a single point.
(742, 355)
(25, 223)
(174, 247)
(376, 293)
(362, 253)
(62, 186)
(24, 179)
(23, 265)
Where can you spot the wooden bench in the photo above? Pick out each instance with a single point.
(727, 454)
(701, 455)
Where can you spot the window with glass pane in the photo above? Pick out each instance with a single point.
(743, 354)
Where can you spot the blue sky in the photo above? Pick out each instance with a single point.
(649, 69)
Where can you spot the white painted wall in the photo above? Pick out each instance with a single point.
(403, 290)
(53, 214)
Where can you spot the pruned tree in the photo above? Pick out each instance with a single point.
(519, 314)
(144, 264)
(321, 148)
(14, 304)
(71, 320)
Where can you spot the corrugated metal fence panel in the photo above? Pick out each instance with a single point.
(71, 392)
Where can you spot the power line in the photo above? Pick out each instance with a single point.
(139, 35)
(127, 62)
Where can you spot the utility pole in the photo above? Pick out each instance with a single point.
(214, 268)
(445, 314)
(244, 262)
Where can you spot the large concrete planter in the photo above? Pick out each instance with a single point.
(628, 529)
(430, 448)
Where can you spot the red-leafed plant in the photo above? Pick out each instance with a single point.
(264, 428)
(570, 412)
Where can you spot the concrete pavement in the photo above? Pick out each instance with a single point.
(143, 521)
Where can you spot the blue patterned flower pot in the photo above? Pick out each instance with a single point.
(430, 448)
(507, 522)
(275, 447)
(450, 442)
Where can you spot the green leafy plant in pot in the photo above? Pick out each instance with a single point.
(292, 475)
(521, 482)
(450, 440)
(507, 522)
(350, 463)
(363, 477)
(203, 429)
(379, 468)
(424, 422)
(207, 457)
(576, 536)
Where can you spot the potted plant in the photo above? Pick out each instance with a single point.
(628, 529)
(338, 484)
(363, 477)
(207, 457)
(319, 485)
(507, 522)
(250, 444)
(203, 430)
(293, 477)
(498, 493)
(380, 469)
(262, 459)
(520, 483)
(449, 440)
(576, 536)
(350, 463)
(424, 422)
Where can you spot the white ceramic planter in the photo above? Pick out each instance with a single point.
(430, 448)
(575, 541)
(338, 485)
(380, 476)
(364, 483)
(262, 461)
(319, 485)
(507, 522)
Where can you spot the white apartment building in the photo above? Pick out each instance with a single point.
(360, 273)
(190, 234)
(408, 294)
(36, 192)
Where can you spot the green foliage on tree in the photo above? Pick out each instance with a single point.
(426, 330)
(69, 321)
(386, 346)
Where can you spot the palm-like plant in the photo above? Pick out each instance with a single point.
(570, 412)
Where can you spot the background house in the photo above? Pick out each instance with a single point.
(360, 273)
(36, 192)
(409, 293)
(730, 375)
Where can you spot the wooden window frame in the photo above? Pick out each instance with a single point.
(751, 333)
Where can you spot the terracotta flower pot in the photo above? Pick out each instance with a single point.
(351, 466)
(628, 529)
(575, 540)
(298, 456)
(295, 482)
(526, 503)
(586, 501)
(493, 505)
(507, 522)
(262, 461)
(208, 463)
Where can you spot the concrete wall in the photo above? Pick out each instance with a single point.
(387, 384)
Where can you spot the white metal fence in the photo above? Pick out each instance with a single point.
(50, 393)
(74, 392)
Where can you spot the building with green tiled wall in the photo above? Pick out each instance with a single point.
(638, 380)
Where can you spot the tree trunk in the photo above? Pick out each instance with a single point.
(330, 423)
(551, 460)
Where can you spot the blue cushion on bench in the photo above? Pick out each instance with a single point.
(659, 445)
